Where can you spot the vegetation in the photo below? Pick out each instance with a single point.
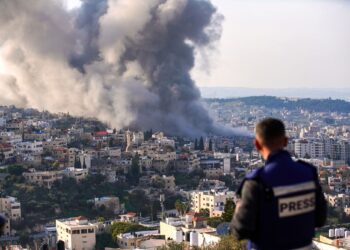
(228, 210)
(105, 240)
(314, 105)
(226, 243)
(181, 207)
(66, 198)
(124, 227)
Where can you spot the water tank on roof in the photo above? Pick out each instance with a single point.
(342, 232)
(178, 236)
(331, 233)
(193, 238)
(347, 234)
(337, 232)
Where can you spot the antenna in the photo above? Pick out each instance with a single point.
(162, 199)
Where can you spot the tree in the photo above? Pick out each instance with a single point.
(226, 149)
(204, 212)
(134, 173)
(15, 170)
(147, 134)
(201, 143)
(228, 210)
(124, 227)
(105, 240)
(2, 156)
(77, 163)
(181, 207)
(210, 145)
(196, 144)
(214, 222)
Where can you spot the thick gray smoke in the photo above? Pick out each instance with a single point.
(125, 62)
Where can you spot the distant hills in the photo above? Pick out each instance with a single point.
(315, 105)
(317, 93)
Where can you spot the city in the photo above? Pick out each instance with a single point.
(143, 188)
(174, 125)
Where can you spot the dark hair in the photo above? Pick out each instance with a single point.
(270, 131)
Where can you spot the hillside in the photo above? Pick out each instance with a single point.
(314, 105)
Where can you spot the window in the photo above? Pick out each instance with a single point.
(76, 231)
(90, 230)
(84, 231)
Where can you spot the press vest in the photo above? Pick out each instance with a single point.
(286, 218)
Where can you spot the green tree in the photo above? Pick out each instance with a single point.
(124, 227)
(196, 144)
(105, 240)
(228, 210)
(134, 173)
(16, 170)
(181, 207)
(204, 212)
(214, 222)
(2, 156)
(210, 145)
(201, 143)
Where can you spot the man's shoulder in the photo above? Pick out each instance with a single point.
(254, 174)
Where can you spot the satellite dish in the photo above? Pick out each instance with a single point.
(223, 229)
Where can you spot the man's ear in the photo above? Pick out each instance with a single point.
(257, 145)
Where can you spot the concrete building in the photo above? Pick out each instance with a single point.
(111, 203)
(214, 201)
(77, 233)
(42, 178)
(190, 230)
(338, 200)
(10, 207)
(134, 240)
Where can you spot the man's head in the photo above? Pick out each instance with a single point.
(270, 136)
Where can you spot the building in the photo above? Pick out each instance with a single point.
(130, 217)
(11, 208)
(133, 240)
(191, 229)
(76, 233)
(111, 203)
(42, 178)
(338, 200)
(47, 178)
(213, 200)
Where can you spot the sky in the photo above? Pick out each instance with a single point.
(278, 44)
(281, 44)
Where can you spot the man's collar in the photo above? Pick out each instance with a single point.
(275, 154)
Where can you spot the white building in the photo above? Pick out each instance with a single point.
(76, 233)
(29, 147)
(214, 201)
(189, 229)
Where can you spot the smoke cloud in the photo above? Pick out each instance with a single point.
(124, 62)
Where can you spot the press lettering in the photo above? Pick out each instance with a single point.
(296, 205)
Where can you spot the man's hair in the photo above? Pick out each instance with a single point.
(270, 131)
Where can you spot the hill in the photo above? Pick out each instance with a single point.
(314, 105)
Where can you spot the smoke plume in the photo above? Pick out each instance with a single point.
(124, 62)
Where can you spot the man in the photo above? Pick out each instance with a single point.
(281, 203)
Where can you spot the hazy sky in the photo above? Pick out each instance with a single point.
(282, 43)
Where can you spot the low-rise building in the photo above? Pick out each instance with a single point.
(133, 240)
(213, 200)
(76, 233)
